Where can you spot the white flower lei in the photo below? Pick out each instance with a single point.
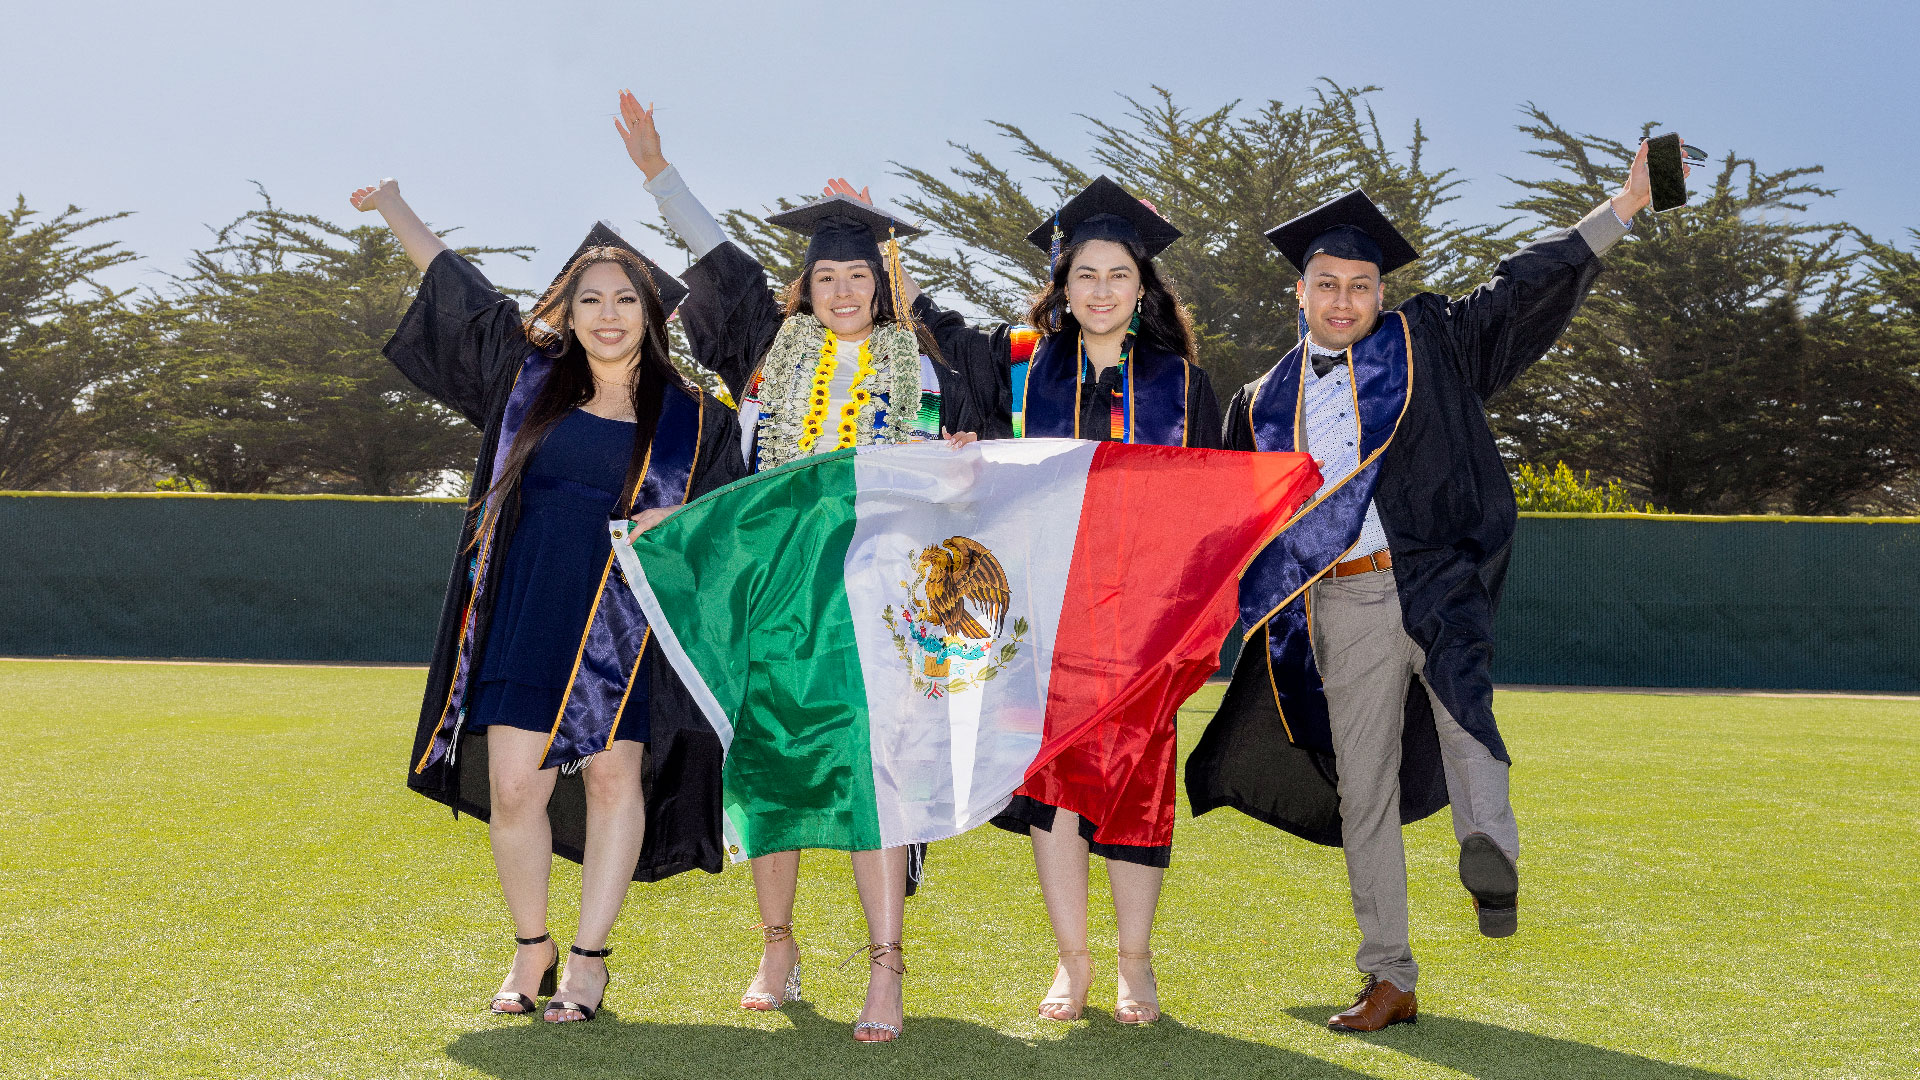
(789, 367)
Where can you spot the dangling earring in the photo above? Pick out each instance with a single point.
(1069, 307)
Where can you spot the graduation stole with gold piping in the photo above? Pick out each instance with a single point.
(1273, 589)
(609, 652)
(1153, 392)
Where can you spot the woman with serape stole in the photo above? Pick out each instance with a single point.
(1364, 697)
(543, 665)
(1115, 362)
(832, 365)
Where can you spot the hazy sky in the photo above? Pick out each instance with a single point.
(498, 117)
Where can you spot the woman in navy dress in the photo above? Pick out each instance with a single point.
(545, 694)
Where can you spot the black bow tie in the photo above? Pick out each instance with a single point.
(1325, 362)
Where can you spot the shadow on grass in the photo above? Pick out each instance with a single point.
(817, 1047)
(1491, 1052)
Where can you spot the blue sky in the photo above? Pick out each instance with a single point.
(498, 117)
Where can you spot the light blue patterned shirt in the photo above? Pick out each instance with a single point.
(1333, 436)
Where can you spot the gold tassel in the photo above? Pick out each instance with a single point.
(901, 313)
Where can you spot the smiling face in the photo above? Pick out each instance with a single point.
(842, 297)
(1103, 285)
(1341, 298)
(607, 315)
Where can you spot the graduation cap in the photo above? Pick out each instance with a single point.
(843, 229)
(602, 235)
(1349, 227)
(1104, 211)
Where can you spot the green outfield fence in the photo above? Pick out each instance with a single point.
(1591, 600)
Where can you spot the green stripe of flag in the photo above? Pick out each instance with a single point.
(785, 787)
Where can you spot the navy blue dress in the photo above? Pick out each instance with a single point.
(551, 575)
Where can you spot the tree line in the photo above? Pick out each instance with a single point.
(1743, 354)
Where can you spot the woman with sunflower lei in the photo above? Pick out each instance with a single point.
(837, 363)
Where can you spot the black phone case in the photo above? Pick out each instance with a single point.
(1665, 172)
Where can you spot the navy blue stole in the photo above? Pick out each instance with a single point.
(1155, 394)
(1273, 591)
(609, 654)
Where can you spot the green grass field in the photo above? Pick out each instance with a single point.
(216, 872)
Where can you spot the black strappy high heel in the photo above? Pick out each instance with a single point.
(549, 980)
(556, 1005)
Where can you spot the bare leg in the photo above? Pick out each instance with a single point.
(1136, 893)
(775, 879)
(616, 824)
(1061, 859)
(522, 840)
(881, 877)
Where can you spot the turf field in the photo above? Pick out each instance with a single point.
(216, 871)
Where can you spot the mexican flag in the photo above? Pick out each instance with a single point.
(889, 640)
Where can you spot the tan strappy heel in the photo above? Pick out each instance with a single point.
(761, 1002)
(1078, 1006)
(1132, 1011)
(874, 953)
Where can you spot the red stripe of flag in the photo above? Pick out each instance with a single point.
(1163, 535)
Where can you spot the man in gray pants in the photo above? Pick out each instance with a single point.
(1364, 697)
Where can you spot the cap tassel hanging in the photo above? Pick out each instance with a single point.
(891, 252)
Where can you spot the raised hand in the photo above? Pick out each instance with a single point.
(642, 139)
(1637, 192)
(377, 197)
(842, 187)
(421, 243)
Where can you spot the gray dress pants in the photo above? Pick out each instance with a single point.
(1366, 658)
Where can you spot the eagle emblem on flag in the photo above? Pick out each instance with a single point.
(951, 627)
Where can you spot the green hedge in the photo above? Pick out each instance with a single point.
(1598, 600)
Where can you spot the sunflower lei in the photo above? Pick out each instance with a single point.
(794, 396)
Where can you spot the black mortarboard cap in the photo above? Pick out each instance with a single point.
(1349, 227)
(1104, 211)
(843, 229)
(602, 235)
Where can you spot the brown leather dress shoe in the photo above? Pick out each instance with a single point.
(1380, 1004)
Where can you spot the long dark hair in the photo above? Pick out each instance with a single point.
(800, 302)
(1164, 322)
(549, 327)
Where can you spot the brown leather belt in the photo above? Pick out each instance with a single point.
(1365, 564)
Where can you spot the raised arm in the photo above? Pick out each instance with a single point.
(1504, 326)
(731, 314)
(461, 339)
(421, 243)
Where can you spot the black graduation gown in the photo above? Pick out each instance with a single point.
(732, 315)
(462, 343)
(991, 351)
(1447, 506)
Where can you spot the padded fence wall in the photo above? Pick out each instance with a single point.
(1829, 604)
(1775, 603)
(237, 577)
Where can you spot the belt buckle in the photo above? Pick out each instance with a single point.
(1373, 560)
